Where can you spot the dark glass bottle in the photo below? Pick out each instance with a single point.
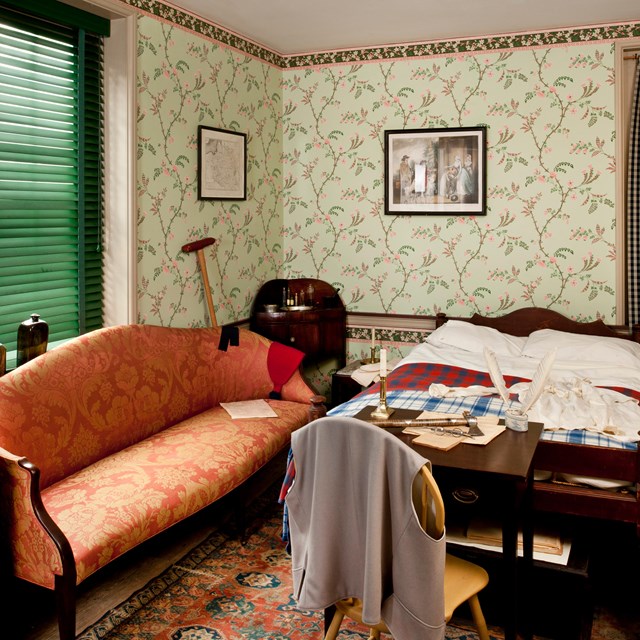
(32, 339)
(3, 359)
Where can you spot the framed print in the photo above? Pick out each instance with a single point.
(435, 171)
(222, 164)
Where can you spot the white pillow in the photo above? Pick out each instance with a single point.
(474, 338)
(574, 347)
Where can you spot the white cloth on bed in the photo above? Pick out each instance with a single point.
(577, 404)
(438, 390)
(623, 416)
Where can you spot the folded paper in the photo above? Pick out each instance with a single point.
(249, 409)
(429, 438)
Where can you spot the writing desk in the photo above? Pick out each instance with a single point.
(505, 465)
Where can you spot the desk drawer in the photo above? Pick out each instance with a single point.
(467, 494)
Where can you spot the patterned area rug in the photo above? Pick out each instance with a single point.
(227, 588)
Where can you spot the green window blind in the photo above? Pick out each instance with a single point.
(51, 192)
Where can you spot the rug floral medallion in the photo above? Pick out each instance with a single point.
(230, 587)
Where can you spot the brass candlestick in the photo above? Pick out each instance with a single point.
(382, 411)
(372, 358)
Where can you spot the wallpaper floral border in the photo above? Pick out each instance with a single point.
(448, 47)
(197, 25)
(470, 45)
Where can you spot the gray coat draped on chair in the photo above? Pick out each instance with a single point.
(355, 531)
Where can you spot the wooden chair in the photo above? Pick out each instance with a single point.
(462, 580)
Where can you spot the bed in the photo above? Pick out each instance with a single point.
(588, 463)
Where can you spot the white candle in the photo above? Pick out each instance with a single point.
(383, 363)
(373, 338)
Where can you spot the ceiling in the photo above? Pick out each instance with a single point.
(290, 27)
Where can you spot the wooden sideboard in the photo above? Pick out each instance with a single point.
(309, 315)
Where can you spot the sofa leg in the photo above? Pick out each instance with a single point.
(65, 590)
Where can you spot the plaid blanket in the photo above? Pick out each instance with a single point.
(407, 388)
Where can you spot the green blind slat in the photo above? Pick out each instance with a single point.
(23, 153)
(43, 173)
(23, 42)
(32, 68)
(21, 124)
(21, 191)
(55, 304)
(52, 53)
(28, 206)
(19, 103)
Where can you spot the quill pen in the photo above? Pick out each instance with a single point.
(495, 374)
(536, 387)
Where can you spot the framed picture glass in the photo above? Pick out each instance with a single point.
(435, 171)
(222, 164)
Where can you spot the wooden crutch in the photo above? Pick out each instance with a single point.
(198, 246)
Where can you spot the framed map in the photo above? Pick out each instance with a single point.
(222, 164)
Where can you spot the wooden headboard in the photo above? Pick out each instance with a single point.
(522, 322)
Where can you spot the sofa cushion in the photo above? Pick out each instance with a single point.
(124, 499)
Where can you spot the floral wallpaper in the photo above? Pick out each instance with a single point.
(185, 81)
(548, 238)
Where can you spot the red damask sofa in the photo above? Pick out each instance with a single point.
(118, 434)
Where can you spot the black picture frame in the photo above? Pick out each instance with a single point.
(435, 171)
(222, 164)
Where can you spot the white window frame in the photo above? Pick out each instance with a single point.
(120, 227)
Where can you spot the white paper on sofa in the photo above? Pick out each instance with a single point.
(249, 409)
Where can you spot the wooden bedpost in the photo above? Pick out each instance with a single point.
(318, 408)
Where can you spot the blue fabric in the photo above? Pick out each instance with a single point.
(286, 485)
(478, 406)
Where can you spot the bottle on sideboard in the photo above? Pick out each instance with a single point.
(310, 295)
(33, 335)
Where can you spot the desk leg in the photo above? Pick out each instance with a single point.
(510, 561)
(516, 592)
(527, 558)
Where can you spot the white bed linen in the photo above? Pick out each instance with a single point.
(603, 406)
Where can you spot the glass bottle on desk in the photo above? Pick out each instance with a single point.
(33, 335)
